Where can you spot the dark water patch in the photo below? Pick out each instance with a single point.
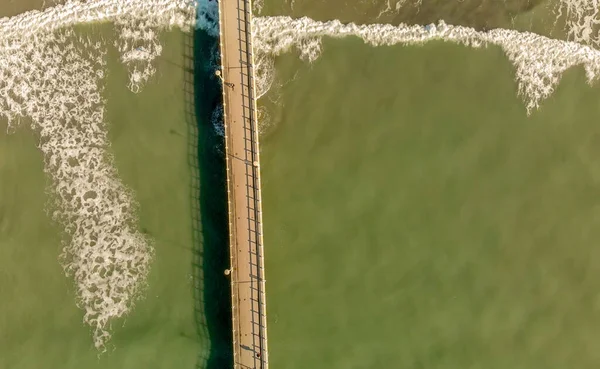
(480, 14)
(209, 203)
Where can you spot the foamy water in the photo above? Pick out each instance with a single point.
(582, 20)
(207, 17)
(136, 20)
(539, 61)
(49, 74)
(55, 78)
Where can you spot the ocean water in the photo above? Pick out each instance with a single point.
(179, 315)
(13, 7)
(415, 215)
(41, 325)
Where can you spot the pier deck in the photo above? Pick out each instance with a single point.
(243, 185)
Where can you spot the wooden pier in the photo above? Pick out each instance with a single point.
(243, 185)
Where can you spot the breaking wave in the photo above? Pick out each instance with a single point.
(53, 77)
(539, 61)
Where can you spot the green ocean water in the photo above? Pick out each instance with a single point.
(415, 217)
(154, 149)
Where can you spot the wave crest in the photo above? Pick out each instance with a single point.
(539, 61)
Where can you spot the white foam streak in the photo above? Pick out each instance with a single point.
(138, 22)
(160, 12)
(582, 20)
(539, 61)
(51, 76)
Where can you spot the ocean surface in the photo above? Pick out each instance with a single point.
(415, 214)
(150, 139)
(154, 143)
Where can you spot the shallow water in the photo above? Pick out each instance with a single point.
(415, 217)
(515, 14)
(40, 323)
(14, 7)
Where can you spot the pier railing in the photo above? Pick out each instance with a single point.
(239, 77)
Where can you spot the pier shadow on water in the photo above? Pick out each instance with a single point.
(209, 204)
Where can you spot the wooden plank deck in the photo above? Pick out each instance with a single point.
(243, 182)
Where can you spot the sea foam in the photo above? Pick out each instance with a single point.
(539, 61)
(54, 77)
(582, 18)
